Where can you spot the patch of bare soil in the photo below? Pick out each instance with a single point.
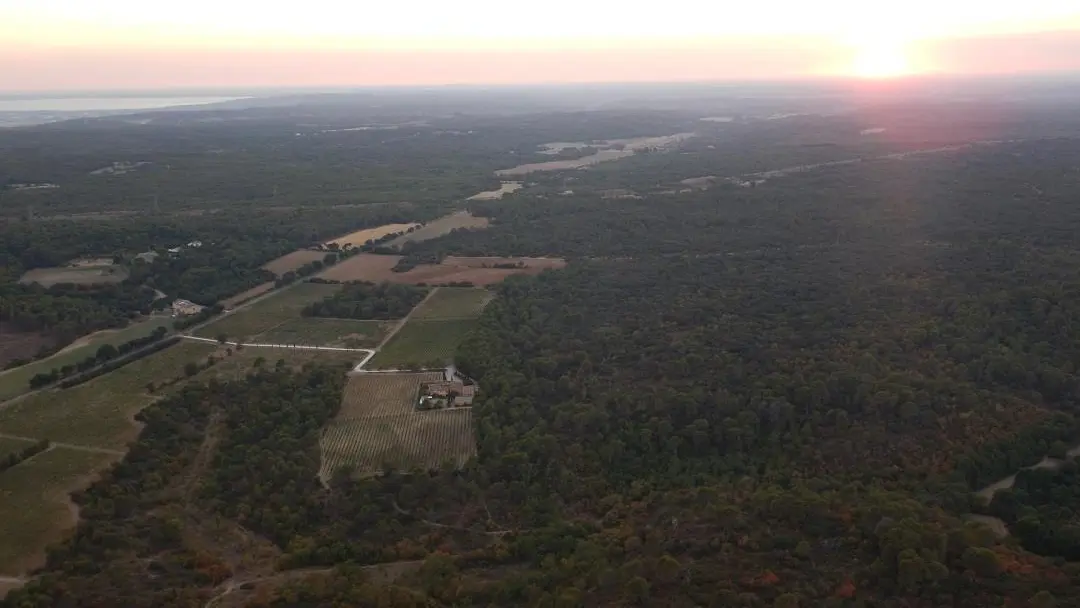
(294, 260)
(15, 344)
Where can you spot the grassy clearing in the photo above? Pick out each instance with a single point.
(310, 331)
(34, 507)
(83, 275)
(10, 446)
(422, 344)
(453, 303)
(269, 313)
(99, 412)
(17, 381)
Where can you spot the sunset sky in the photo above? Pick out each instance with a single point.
(140, 44)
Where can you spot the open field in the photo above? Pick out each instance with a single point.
(423, 344)
(368, 395)
(269, 313)
(478, 271)
(312, 331)
(441, 226)
(294, 260)
(82, 275)
(34, 505)
(15, 344)
(405, 441)
(17, 381)
(453, 303)
(98, 413)
(9, 445)
(244, 296)
(360, 237)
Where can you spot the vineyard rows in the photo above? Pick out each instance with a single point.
(404, 441)
(368, 395)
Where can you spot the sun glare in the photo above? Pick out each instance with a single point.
(881, 60)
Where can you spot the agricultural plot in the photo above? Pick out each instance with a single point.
(424, 440)
(312, 331)
(17, 381)
(269, 313)
(99, 412)
(360, 237)
(477, 271)
(379, 426)
(15, 344)
(453, 303)
(79, 275)
(34, 504)
(422, 344)
(294, 260)
(244, 296)
(441, 226)
(370, 395)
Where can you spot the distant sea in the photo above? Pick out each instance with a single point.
(100, 104)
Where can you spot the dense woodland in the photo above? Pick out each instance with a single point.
(781, 396)
(1041, 509)
(366, 300)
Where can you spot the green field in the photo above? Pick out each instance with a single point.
(34, 503)
(17, 381)
(311, 331)
(422, 344)
(10, 446)
(98, 413)
(267, 314)
(453, 303)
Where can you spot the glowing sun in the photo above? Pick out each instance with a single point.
(881, 60)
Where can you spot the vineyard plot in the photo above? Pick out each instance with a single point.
(379, 427)
(369, 395)
(405, 441)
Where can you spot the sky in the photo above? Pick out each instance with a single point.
(141, 44)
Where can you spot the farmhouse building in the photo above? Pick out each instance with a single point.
(439, 395)
(184, 308)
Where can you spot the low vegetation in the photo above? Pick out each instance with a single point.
(35, 509)
(266, 314)
(98, 413)
(17, 380)
(420, 344)
(451, 303)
